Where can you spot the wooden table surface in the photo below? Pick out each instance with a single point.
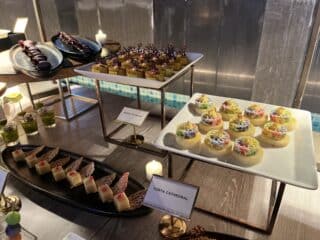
(298, 219)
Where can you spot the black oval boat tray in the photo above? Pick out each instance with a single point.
(61, 191)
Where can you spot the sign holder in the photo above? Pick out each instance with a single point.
(135, 139)
(175, 198)
(135, 118)
(172, 227)
(7, 203)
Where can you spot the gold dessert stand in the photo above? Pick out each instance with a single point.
(9, 203)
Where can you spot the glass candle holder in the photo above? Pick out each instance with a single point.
(10, 134)
(153, 167)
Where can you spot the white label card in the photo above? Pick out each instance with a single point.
(132, 116)
(172, 197)
(3, 178)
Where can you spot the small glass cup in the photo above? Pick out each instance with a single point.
(3, 123)
(10, 134)
(29, 124)
(47, 117)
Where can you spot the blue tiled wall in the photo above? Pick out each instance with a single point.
(173, 100)
(316, 122)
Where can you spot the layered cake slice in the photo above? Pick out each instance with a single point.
(18, 155)
(31, 160)
(43, 167)
(121, 202)
(105, 193)
(57, 170)
(58, 173)
(90, 185)
(74, 178)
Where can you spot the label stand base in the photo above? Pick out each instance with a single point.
(172, 227)
(9, 203)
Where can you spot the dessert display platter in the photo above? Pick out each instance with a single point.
(138, 82)
(293, 162)
(75, 180)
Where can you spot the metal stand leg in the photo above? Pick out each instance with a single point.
(191, 80)
(68, 87)
(63, 101)
(30, 95)
(274, 205)
(276, 208)
(138, 98)
(169, 158)
(163, 112)
(90, 103)
(100, 105)
(273, 196)
(186, 170)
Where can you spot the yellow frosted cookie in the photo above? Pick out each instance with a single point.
(274, 134)
(241, 126)
(247, 151)
(256, 114)
(283, 116)
(229, 109)
(203, 103)
(187, 135)
(210, 120)
(217, 143)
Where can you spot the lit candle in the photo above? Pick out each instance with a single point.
(101, 37)
(153, 167)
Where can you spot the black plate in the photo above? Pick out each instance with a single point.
(21, 62)
(61, 191)
(68, 51)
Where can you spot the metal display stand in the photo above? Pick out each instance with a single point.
(146, 148)
(277, 190)
(91, 103)
(68, 114)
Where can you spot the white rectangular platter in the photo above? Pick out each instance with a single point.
(294, 164)
(85, 70)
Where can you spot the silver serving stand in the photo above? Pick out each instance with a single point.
(278, 182)
(137, 83)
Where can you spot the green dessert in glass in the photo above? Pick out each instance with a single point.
(3, 122)
(29, 124)
(47, 117)
(10, 134)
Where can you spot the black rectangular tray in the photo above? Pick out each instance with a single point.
(61, 191)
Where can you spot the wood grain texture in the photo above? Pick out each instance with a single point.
(240, 196)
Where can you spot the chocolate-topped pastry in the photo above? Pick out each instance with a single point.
(147, 62)
(36, 56)
(74, 43)
(44, 66)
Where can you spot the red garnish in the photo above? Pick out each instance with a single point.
(42, 163)
(120, 196)
(57, 168)
(72, 173)
(104, 189)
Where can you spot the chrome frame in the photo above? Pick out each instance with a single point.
(146, 148)
(66, 115)
(276, 196)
